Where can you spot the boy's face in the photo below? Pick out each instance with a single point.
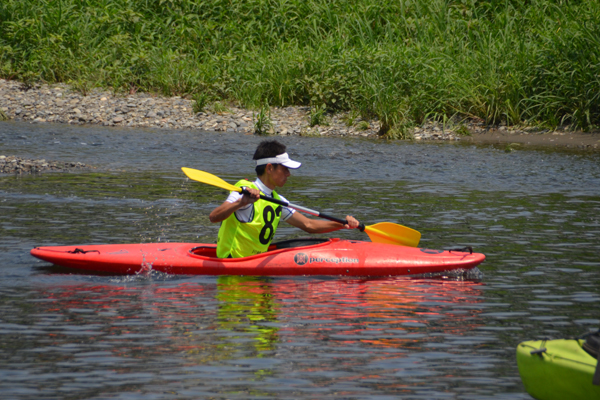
(278, 174)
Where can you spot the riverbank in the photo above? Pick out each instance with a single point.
(60, 104)
(521, 63)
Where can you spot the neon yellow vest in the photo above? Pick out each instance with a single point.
(242, 239)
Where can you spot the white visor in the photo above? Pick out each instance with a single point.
(282, 159)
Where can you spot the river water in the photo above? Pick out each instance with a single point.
(534, 213)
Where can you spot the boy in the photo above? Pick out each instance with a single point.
(249, 224)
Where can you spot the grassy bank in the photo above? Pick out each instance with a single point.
(534, 62)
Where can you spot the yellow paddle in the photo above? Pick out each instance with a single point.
(383, 232)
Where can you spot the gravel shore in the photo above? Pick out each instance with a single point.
(59, 104)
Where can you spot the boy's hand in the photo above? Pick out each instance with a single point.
(352, 222)
(250, 197)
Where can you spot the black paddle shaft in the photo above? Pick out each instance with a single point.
(361, 226)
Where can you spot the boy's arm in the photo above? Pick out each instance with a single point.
(223, 211)
(319, 226)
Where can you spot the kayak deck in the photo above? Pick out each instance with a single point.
(294, 257)
(557, 370)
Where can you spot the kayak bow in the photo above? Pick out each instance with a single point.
(558, 369)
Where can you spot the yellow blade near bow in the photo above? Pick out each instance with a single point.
(387, 232)
(209, 179)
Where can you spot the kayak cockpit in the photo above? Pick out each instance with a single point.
(293, 243)
(205, 251)
(210, 251)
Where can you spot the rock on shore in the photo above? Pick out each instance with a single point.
(17, 165)
(58, 103)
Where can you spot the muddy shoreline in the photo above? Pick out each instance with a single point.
(515, 140)
(59, 104)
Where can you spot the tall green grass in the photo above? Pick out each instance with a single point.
(531, 62)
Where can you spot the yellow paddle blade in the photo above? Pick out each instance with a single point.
(387, 232)
(209, 179)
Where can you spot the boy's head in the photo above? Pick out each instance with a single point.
(272, 152)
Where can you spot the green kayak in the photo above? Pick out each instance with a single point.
(559, 369)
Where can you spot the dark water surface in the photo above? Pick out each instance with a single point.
(534, 213)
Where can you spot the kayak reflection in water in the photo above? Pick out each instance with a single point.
(247, 304)
(247, 224)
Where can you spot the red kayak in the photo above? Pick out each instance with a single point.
(292, 257)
